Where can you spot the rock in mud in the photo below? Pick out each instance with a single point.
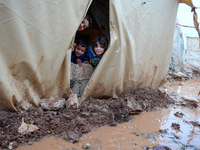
(72, 102)
(53, 104)
(163, 131)
(25, 105)
(176, 126)
(195, 123)
(178, 114)
(86, 146)
(74, 136)
(13, 145)
(133, 105)
(191, 105)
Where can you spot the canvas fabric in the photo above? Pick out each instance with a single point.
(36, 38)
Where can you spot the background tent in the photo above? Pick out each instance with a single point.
(36, 37)
(192, 56)
(177, 59)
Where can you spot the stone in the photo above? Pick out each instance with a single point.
(72, 102)
(53, 104)
(13, 145)
(25, 105)
(134, 107)
(86, 146)
(74, 136)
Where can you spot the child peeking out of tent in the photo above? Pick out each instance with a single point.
(96, 50)
(86, 23)
(78, 54)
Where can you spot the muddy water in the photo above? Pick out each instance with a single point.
(142, 132)
(191, 87)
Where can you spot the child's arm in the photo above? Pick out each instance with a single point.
(79, 62)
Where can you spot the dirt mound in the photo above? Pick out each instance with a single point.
(71, 124)
(149, 99)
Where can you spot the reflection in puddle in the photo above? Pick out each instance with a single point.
(142, 132)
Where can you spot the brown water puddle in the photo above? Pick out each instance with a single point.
(142, 131)
(191, 87)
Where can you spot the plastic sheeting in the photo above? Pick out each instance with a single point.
(193, 53)
(35, 41)
(177, 52)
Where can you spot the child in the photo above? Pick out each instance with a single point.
(78, 55)
(86, 23)
(96, 50)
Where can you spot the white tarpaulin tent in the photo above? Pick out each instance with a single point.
(36, 37)
(192, 57)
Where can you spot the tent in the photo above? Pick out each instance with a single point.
(36, 38)
(192, 56)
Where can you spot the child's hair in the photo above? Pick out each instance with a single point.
(90, 20)
(101, 40)
(81, 42)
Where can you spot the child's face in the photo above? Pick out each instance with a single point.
(84, 24)
(99, 50)
(79, 50)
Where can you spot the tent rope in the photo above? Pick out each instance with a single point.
(185, 25)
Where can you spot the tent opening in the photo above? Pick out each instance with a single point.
(99, 12)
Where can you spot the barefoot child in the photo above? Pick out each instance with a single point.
(96, 50)
(78, 55)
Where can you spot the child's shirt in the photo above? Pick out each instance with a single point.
(92, 58)
(74, 57)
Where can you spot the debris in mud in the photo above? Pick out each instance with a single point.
(185, 147)
(176, 126)
(177, 76)
(178, 114)
(13, 145)
(71, 124)
(161, 148)
(195, 123)
(53, 104)
(134, 107)
(191, 98)
(162, 131)
(73, 102)
(191, 105)
(26, 128)
(86, 146)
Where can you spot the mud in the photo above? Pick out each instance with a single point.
(70, 125)
(179, 114)
(153, 129)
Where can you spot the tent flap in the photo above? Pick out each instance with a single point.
(34, 41)
(140, 49)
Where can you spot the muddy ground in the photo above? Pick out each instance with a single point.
(72, 124)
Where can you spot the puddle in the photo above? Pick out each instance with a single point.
(191, 87)
(142, 132)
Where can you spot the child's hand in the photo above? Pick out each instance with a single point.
(73, 47)
(79, 62)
